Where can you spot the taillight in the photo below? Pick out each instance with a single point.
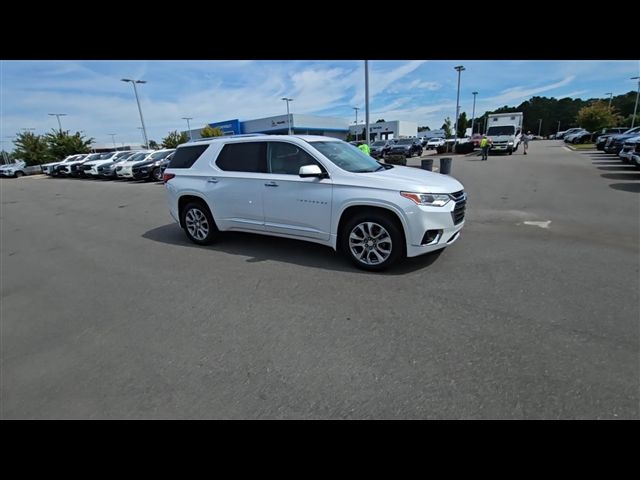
(167, 176)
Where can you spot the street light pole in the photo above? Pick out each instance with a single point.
(189, 126)
(288, 114)
(366, 100)
(58, 115)
(473, 115)
(635, 109)
(558, 128)
(610, 97)
(135, 90)
(539, 126)
(356, 109)
(459, 68)
(113, 139)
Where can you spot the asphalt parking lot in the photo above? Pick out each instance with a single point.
(109, 312)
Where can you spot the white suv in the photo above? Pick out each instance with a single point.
(313, 188)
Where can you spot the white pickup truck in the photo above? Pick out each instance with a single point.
(505, 131)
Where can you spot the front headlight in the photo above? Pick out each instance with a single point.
(510, 143)
(428, 199)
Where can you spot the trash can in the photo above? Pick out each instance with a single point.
(445, 165)
(427, 164)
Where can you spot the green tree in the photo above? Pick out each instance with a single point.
(174, 139)
(462, 124)
(208, 131)
(380, 120)
(32, 148)
(446, 126)
(597, 116)
(154, 145)
(62, 144)
(424, 129)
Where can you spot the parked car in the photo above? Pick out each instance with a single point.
(49, 168)
(615, 142)
(635, 156)
(604, 135)
(15, 169)
(568, 138)
(407, 147)
(123, 170)
(628, 148)
(562, 135)
(71, 168)
(108, 170)
(313, 188)
(91, 168)
(380, 148)
(580, 137)
(151, 168)
(434, 143)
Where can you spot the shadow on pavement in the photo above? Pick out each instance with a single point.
(263, 247)
(619, 168)
(622, 176)
(626, 187)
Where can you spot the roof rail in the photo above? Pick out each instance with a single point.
(226, 136)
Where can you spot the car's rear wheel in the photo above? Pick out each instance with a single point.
(157, 174)
(372, 241)
(198, 223)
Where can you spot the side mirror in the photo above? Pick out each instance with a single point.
(310, 171)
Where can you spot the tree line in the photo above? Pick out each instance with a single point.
(54, 146)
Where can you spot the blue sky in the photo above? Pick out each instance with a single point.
(98, 103)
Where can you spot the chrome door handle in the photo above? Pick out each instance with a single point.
(271, 184)
(212, 180)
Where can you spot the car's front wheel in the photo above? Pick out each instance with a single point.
(19, 174)
(372, 241)
(156, 174)
(198, 223)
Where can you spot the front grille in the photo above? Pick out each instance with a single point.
(461, 203)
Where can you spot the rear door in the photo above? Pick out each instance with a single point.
(236, 195)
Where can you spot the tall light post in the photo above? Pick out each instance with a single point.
(288, 114)
(635, 109)
(366, 100)
(144, 138)
(558, 128)
(135, 90)
(58, 115)
(539, 126)
(356, 109)
(473, 114)
(113, 139)
(610, 97)
(188, 127)
(459, 68)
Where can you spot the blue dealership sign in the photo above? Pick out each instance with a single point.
(229, 127)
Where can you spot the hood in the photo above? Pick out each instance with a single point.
(502, 138)
(405, 179)
(623, 136)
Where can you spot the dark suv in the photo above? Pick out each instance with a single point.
(380, 148)
(615, 142)
(602, 137)
(407, 147)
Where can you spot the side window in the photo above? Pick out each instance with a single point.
(243, 157)
(186, 156)
(287, 158)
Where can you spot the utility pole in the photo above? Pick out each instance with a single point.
(459, 68)
(366, 99)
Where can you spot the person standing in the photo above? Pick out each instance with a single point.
(484, 145)
(365, 148)
(525, 141)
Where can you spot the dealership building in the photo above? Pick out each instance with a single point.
(279, 125)
(385, 130)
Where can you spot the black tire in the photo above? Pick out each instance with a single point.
(156, 174)
(510, 152)
(198, 210)
(396, 244)
(19, 174)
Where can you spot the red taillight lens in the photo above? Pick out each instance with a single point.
(167, 176)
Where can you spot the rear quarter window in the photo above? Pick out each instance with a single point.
(185, 157)
(243, 157)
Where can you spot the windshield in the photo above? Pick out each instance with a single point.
(159, 155)
(633, 130)
(379, 143)
(347, 157)
(501, 130)
(137, 156)
(93, 156)
(405, 141)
